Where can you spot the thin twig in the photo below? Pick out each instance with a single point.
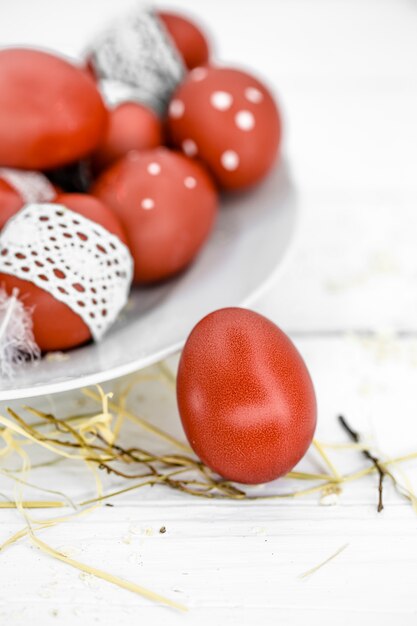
(367, 454)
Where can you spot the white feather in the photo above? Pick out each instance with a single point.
(17, 344)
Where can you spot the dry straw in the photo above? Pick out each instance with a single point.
(94, 441)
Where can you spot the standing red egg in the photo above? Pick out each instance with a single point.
(245, 397)
(229, 119)
(74, 292)
(132, 126)
(51, 112)
(167, 204)
(18, 188)
(188, 38)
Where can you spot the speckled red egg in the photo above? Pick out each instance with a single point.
(229, 119)
(55, 325)
(189, 39)
(132, 126)
(167, 204)
(51, 112)
(245, 397)
(18, 188)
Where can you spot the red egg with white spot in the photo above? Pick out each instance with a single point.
(18, 188)
(60, 324)
(188, 37)
(132, 126)
(167, 204)
(230, 120)
(51, 112)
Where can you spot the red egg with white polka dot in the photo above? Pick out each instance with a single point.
(167, 204)
(18, 188)
(132, 126)
(69, 267)
(230, 120)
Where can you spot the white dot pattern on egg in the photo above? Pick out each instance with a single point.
(147, 204)
(230, 160)
(221, 100)
(154, 169)
(176, 109)
(190, 182)
(245, 120)
(198, 73)
(254, 95)
(189, 147)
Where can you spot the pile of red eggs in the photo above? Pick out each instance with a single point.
(110, 173)
(149, 177)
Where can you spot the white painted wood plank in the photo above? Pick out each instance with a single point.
(222, 566)
(239, 561)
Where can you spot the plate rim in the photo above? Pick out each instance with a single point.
(141, 363)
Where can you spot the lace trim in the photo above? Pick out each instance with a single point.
(76, 260)
(31, 186)
(137, 60)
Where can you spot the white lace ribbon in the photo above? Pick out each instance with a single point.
(136, 59)
(31, 186)
(76, 260)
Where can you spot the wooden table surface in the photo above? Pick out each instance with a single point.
(346, 75)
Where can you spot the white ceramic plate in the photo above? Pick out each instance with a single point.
(252, 236)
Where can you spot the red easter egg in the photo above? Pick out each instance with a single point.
(95, 210)
(51, 112)
(188, 38)
(132, 126)
(55, 325)
(245, 397)
(167, 204)
(230, 120)
(20, 188)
